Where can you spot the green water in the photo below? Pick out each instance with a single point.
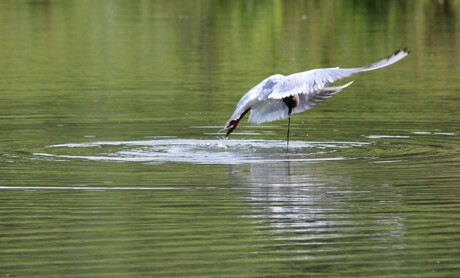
(111, 164)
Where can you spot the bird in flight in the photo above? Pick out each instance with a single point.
(278, 96)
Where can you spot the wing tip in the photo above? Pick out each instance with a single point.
(404, 51)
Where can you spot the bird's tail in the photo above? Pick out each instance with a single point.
(395, 57)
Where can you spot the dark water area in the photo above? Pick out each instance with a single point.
(112, 162)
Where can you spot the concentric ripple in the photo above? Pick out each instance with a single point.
(201, 151)
(415, 146)
(422, 146)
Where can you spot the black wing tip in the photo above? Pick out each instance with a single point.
(405, 50)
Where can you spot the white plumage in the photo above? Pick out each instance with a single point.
(267, 100)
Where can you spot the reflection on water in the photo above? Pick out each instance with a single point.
(287, 196)
(323, 208)
(295, 198)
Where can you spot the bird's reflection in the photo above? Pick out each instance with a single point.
(305, 201)
(286, 193)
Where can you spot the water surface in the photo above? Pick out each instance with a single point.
(112, 164)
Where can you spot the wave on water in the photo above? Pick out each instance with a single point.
(200, 151)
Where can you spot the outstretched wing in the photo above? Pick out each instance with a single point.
(257, 94)
(275, 109)
(307, 101)
(268, 111)
(312, 81)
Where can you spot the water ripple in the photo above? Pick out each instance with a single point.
(200, 151)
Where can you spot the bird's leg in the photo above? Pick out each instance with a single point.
(291, 102)
(288, 131)
(233, 123)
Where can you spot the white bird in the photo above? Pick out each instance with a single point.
(279, 96)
